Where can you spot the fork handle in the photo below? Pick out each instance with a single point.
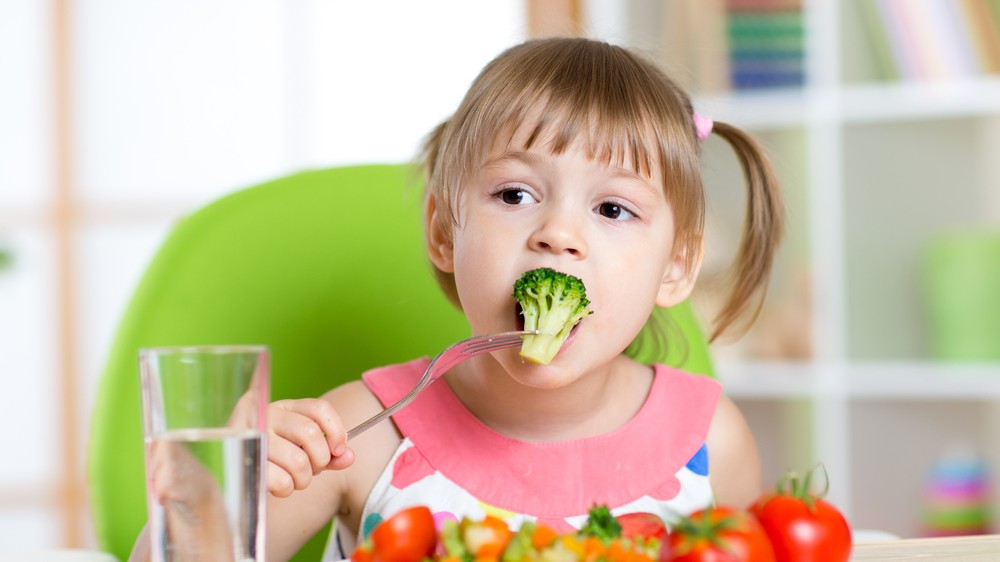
(374, 420)
(434, 371)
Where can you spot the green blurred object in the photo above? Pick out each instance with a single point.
(333, 264)
(6, 258)
(962, 279)
(684, 344)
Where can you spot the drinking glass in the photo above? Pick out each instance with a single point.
(204, 419)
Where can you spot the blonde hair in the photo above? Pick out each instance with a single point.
(628, 113)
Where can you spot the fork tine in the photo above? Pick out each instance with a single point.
(476, 346)
(497, 342)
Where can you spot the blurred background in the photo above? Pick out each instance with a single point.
(877, 354)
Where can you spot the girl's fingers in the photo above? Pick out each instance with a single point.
(329, 423)
(288, 459)
(314, 426)
(307, 437)
(304, 438)
(341, 461)
(279, 482)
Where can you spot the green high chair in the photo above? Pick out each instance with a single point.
(325, 267)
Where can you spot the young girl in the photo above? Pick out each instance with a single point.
(576, 155)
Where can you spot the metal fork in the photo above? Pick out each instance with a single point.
(451, 356)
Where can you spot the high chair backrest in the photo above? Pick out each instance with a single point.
(326, 267)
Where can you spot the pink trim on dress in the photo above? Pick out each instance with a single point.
(552, 480)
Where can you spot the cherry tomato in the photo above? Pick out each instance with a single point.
(717, 534)
(642, 525)
(801, 525)
(407, 536)
(362, 554)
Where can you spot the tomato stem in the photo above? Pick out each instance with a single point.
(797, 486)
(707, 529)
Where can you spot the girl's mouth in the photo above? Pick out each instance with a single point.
(518, 316)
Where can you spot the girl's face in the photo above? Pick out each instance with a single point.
(529, 208)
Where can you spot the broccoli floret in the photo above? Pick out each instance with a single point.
(551, 303)
(601, 524)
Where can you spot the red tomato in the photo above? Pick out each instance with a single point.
(407, 536)
(361, 554)
(802, 527)
(642, 525)
(717, 534)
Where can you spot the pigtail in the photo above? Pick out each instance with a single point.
(762, 229)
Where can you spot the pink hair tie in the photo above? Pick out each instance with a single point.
(702, 125)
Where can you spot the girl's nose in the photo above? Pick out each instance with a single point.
(559, 234)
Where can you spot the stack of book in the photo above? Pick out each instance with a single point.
(766, 43)
(934, 40)
(721, 45)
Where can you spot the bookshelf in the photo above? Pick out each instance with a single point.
(878, 160)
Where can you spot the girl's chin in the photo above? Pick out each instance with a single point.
(541, 377)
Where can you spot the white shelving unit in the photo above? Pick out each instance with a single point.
(865, 380)
(873, 170)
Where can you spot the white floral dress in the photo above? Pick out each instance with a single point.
(459, 467)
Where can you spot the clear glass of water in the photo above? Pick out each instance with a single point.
(204, 418)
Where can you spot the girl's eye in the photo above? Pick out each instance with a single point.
(614, 211)
(515, 196)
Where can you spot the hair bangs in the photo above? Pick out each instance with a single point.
(618, 109)
(581, 97)
(604, 135)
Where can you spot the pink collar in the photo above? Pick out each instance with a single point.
(556, 479)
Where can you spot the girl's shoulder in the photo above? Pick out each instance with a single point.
(354, 402)
(678, 386)
(735, 457)
(391, 382)
(360, 399)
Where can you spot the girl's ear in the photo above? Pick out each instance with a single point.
(679, 277)
(439, 246)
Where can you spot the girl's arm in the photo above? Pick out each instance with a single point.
(304, 487)
(734, 465)
(293, 520)
(312, 475)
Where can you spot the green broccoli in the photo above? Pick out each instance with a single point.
(601, 524)
(551, 303)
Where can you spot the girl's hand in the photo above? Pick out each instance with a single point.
(305, 437)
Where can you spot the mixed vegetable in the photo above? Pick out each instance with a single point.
(764, 533)
(633, 538)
